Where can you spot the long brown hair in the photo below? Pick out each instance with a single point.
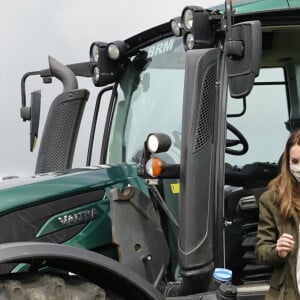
(285, 184)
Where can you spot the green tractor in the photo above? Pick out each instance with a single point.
(199, 111)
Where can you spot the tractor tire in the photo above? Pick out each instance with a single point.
(41, 286)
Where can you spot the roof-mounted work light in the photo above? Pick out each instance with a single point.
(197, 31)
(176, 26)
(106, 61)
(187, 17)
(189, 41)
(117, 50)
(95, 52)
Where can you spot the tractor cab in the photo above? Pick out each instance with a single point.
(200, 108)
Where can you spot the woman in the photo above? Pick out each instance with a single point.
(278, 229)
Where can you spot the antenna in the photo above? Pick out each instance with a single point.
(229, 19)
(234, 48)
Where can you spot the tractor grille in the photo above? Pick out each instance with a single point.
(60, 131)
(65, 116)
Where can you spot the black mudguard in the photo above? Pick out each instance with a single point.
(138, 233)
(96, 268)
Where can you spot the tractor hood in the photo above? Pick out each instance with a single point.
(23, 192)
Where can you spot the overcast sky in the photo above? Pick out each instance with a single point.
(33, 29)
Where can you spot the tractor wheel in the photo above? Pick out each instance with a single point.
(41, 286)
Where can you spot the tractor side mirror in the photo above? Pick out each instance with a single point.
(32, 114)
(243, 50)
(35, 117)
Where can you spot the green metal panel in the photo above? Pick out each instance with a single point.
(78, 215)
(95, 231)
(245, 6)
(294, 3)
(20, 193)
(96, 235)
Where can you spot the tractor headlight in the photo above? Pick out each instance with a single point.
(158, 142)
(113, 51)
(176, 26)
(96, 75)
(197, 30)
(187, 17)
(152, 143)
(150, 165)
(189, 41)
(95, 53)
(117, 50)
(107, 61)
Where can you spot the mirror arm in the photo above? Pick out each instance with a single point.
(242, 112)
(24, 110)
(229, 19)
(235, 49)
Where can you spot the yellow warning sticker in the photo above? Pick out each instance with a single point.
(175, 188)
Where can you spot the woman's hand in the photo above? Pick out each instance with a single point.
(285, 244)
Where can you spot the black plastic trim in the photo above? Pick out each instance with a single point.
(23, 224)
(108, 123)
(148, 37)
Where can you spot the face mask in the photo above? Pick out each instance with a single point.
(295, 170)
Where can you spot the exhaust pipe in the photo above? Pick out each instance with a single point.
(62, 73)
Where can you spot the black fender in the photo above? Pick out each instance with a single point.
(136, 223)
(95, 267)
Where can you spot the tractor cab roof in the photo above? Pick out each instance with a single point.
(244, 6)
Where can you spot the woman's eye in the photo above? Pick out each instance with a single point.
(295, 161)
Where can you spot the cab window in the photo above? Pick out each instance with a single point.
(263, 123)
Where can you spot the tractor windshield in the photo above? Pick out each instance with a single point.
(150, 96)
(149, 100)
